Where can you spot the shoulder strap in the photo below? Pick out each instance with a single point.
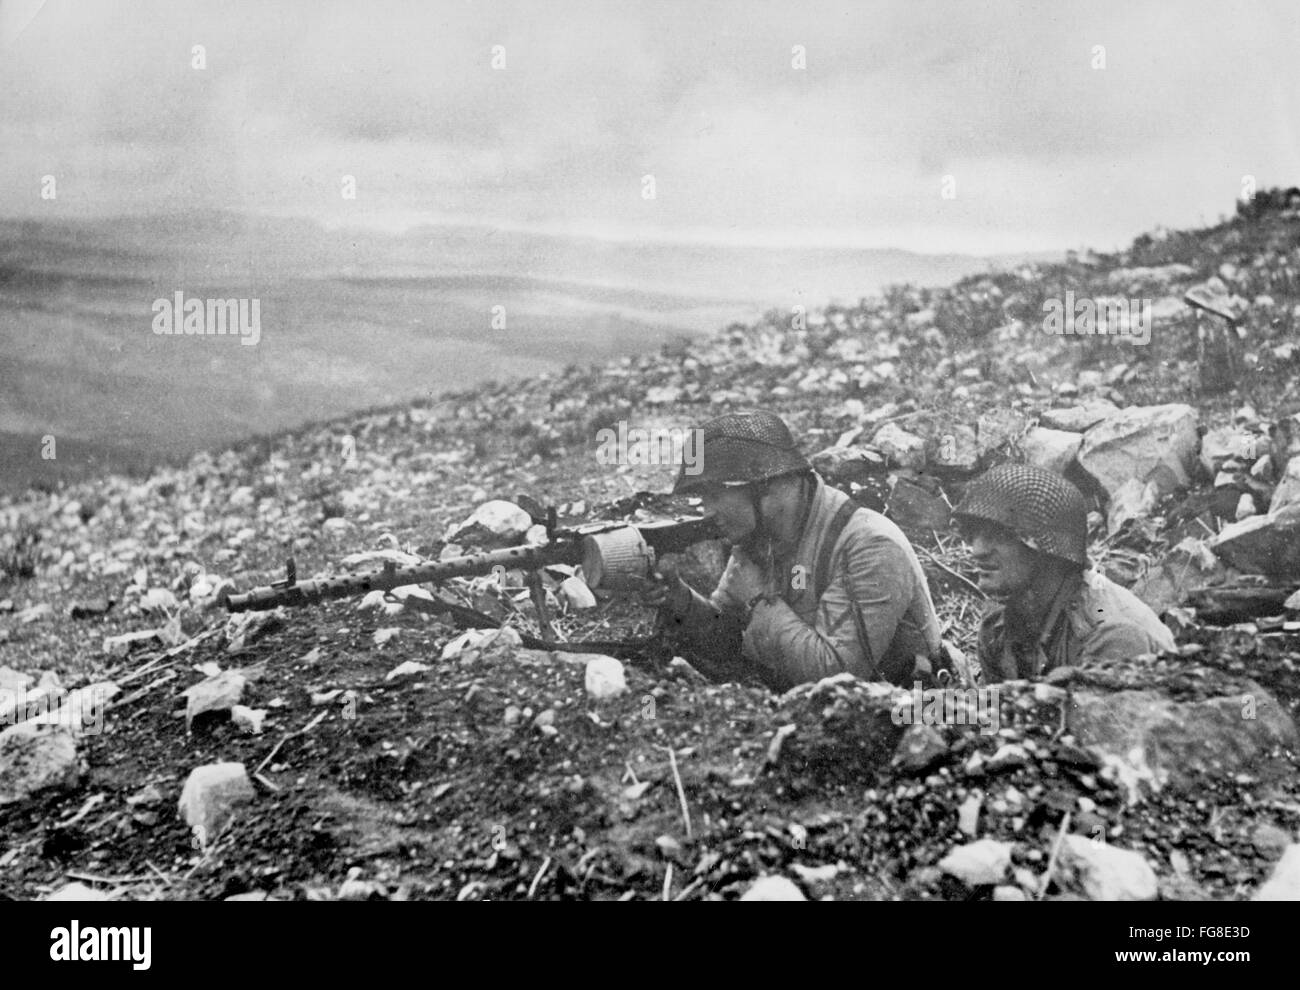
(822, 572)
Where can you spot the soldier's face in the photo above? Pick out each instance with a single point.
(1006, 566)
(732, 511)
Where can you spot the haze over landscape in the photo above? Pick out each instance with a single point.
(799, 153)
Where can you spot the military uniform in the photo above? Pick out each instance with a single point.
(849, 598)
(1091, 618)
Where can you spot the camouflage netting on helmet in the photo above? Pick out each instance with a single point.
(743, 448)
(1040, 507)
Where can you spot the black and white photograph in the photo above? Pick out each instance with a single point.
(682, 450)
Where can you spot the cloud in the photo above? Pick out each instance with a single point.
(1045, 149)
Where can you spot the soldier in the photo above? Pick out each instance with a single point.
(816, 585)
(1028, 530)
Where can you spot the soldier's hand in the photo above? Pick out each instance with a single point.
(666, 589)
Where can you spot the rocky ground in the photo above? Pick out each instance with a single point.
(363, 749)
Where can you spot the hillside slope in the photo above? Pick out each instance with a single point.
(492, 774)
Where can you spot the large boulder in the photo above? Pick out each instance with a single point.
(1105, 872)
(1287, 491)
(1143, 444)
(1054, 450)
(1268, 545)
(1149, 739)
(1284, 883)
(34, 758)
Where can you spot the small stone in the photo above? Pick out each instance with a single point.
(512, 715)
(979, 863)
(211, 796)
(605, 678)
(544, 719)
(1008, 757)
(919, 748)
(248, 719)
(669, 848)
(968, 815)
(1008, 893)
(409, 667)
(216, 694)
(77, 892)
(577, 594)
(773, 888)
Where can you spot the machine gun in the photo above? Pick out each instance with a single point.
(616, 556)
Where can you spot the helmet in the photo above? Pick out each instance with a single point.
(741, 449)
(1042, 509)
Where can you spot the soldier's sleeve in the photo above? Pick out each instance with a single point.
(712, 625)
(869, 593)
(1117, 640)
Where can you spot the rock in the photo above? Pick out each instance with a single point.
(1268, 545)
(1077, 419)
(816, 874)
(913, 506)
(216, 694)
(1147, 737)
(77, 892)
(1245, 507)
(34, 758)
(605, 678)
(13, 681)
(1133, 499)
(1105, 872)
(211, 797)
(902, 449)
(248, 719)
(409, 667)
(1143, 443)
(1284, 882)
(122, 645)
(158, 600)
(1009, 893)
(1271, 840)
(34, 612)
(1008, 757)
(669, 848)
(1287, 491)
(577, 594)
(251, 895)
(1054, 450)
(968, 815)
(1225, 443)
(91, 609)
(980, 863)
(848, 465)
(512, 715)
(920, 748)
(1190, 564)
(773, 888)
(146, 796)
(500, 521)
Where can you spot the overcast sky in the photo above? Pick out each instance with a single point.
(1045, 151)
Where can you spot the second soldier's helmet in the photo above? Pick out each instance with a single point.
(742, 449)
(1042, 509)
